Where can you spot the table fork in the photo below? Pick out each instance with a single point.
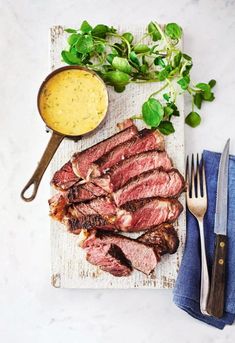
(197, 205)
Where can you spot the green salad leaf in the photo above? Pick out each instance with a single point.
(121, 64)
(173, 30)
(166, 127)
(120, 59)
(152, 111)
(193, 119)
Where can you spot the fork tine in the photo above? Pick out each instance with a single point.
(187, 176)
(198, 178)
(192, 178)
(204, 191)
(186, 171)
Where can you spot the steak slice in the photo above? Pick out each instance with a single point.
(145, 140)
(104, 206)
(125, 124)
(132, 217)
(125, 170)
(83, 192)
(88, 222)
(141, 256)
(153, 183)
(64, 178)
(110, 258)
(58, 207)
(98, 213)
(81, 161)
(163, 239)
(148, 213)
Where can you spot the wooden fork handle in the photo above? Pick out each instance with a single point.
(215, 305)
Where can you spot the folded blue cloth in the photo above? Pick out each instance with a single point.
(187, 288)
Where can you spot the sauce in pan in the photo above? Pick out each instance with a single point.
(73, 102)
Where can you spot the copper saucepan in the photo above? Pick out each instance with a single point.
(57, 136)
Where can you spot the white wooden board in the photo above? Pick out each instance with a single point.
(69, 267)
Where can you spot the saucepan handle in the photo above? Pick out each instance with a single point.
(35, 180)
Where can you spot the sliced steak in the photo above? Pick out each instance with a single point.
(163, 239)
(154, 183)
(145, 140)
(104, 206)
(64, 178)
(88, 222)
(83, 192)
(98, 213)
(80, 210)
(132, 217)
(58, 207)
(125, 124)
(125, 170)
(110, 258)
(81, 161)
(141, 256)
(148, 213)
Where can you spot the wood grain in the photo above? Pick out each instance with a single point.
(215, 306)
(69, 267)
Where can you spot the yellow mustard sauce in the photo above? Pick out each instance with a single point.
(73, 102)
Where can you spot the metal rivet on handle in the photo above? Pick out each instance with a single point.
(221, 261)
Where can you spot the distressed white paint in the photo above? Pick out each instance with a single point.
(69, 267)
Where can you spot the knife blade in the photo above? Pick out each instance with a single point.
(215, 306)
(222, 193)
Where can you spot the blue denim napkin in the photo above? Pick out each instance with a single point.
(187, 288)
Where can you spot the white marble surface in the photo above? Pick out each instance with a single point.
(30, 309)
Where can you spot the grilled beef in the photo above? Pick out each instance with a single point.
(98, 213)
(119, 175)
(64, 178)
(163, 239)
(58, 207)
(81, 161)
(125, 124)
(145, 140)
(129, 186)
(83, 192)
(123, 171)
(110, 258)
(153, 183)
(132, 217)
(89, 222)
(141, 256)
(146, 214)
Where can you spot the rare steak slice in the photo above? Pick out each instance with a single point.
(148, 213)
(81, 161)
(141, 256)
(110, 258)
(154, 183)
(163, 239)
(64, 178)
(123, 171)
(82, 192)
(135, 216)
(145, 140)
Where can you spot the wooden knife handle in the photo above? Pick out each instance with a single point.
(215, 305)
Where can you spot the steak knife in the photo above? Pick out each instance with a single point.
(215, 305)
